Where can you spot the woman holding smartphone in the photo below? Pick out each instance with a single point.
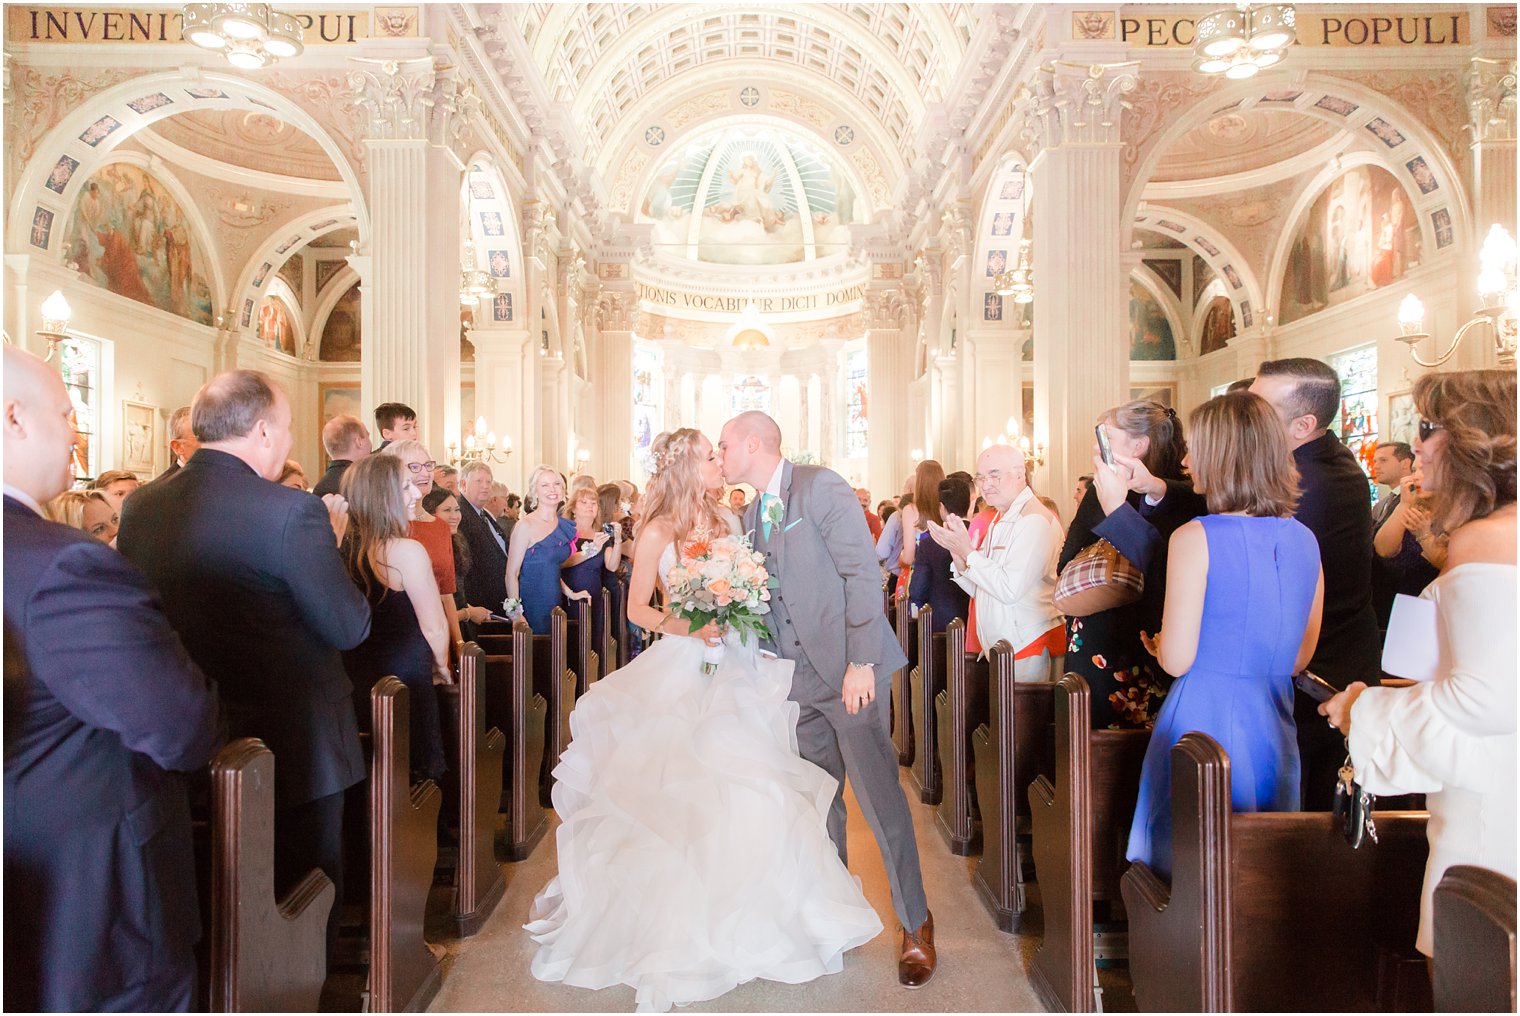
(1140, 496)
(595, 553)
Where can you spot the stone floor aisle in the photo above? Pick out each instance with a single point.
(980, 969)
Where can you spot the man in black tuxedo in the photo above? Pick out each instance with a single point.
(100, 908)
(182, 443)
(485, 584)
(251, 579)
(1334, 504)
(346, 441)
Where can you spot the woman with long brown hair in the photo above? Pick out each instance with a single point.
(1452, 736)
(916, 515)
(409, 633)
(1136, 504)
(692, 834)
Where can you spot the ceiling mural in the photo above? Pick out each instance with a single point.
(128, 234)
(1241, 141)
(249, 140)
(752, 196)
(1150, 334)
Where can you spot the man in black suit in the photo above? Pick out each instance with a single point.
(485, 584)
(182, 443)
(100, 908)
(251, 579)
(346, 441)
(1334, 506)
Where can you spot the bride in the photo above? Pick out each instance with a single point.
(694, 853)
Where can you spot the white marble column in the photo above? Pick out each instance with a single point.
(1081, 354)
(505, 396)
(410, 312)
(1491, 105)
(612, 374)
(889, 361)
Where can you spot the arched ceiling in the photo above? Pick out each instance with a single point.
(601, 59)
(1242, 141)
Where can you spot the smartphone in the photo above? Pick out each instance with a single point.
(1314, 686)
(1104, 448)
(610, 528)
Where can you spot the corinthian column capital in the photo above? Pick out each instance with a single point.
(1077, 103)
(1491, 99)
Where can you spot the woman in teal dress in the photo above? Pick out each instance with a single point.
(1244, 592)
(541, 541)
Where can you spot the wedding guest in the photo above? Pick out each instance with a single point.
(540, 543)
(496, 500)
(409, 637)
(251, 578)
(1011, 575)
(924, 508)
(511, 511)
(1391, 462)
(889, 545)
(116, 484)
(736, 502)
(1452, 738)
(395, 422)
(1333, 503)
(292, 475)
(346, 441)
(100, 912)
(595, 552)
(447, 477)
(87, 511)
(449, 507)
(873, 521)
(1244, 593)
(1136, 505)
(182, 442)
(432, 533)
(885, 509)
(485, 583)
(933, 582)
(1083, 483)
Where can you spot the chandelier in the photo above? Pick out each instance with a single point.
(474, 282)
(1497, 294)
(1017, 282)
(250, 36)
(1240, 42)
(480, 446)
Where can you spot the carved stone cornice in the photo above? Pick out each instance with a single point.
(539, 233)
(955, 230)
(1074, 103)
(1491, 99)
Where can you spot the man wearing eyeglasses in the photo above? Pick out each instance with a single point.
(1334, 504)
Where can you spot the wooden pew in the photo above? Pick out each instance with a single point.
(266, 955)
(1269, 910)
(514, 708)
(886, 601)
(620, 611)
(925, 681)
(958, 710)
(1079, 826)
(607, 652)
(902, 712)
(1010, 750)
(1474, 941)
(584, 658)
(403, 973)
(475, 780)
(555, 681)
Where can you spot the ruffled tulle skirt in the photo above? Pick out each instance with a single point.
(693, 848)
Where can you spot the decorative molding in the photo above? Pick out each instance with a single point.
(413, 99)
(1075, 103)
(1491, 99)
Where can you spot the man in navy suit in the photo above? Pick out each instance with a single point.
(100, 908)
(252, 581)
(485, 584)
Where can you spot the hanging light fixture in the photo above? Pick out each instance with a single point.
(474, 282)
(250, 36)
(1242, 41)
(1018, 282)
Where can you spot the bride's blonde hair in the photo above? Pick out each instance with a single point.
(675, 487)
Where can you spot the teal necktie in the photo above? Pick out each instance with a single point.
(765, 518)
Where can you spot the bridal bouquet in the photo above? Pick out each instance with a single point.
(721, 580)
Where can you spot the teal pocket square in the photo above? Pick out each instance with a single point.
(789, 525)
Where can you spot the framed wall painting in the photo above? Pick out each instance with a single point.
(139, 437)
(1403, 421)
(1164, 392)
(334, 398)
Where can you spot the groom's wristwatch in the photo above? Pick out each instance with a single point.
(869, 666)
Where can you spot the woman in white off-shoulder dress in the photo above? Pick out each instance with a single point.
(693, 848)
(1453, 738)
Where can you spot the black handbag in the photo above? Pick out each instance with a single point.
(1353, 807)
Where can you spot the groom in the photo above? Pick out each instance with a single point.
(826, 617)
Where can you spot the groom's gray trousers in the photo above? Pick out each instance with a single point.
(860, 746)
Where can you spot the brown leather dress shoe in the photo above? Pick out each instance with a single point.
(916, 964)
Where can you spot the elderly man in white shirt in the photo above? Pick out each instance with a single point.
(1011, 574)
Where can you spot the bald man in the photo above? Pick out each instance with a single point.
(112, 707)
(826, 618)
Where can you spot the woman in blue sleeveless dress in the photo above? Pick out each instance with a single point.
(1243, 599)
(541, 541)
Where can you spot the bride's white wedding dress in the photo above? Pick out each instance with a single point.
(693, 848)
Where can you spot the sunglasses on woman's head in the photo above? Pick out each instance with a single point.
(421, 467)
(1428, 428)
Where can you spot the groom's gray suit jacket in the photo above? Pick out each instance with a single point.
(827, 610)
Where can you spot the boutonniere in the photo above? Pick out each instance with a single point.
(775, 511)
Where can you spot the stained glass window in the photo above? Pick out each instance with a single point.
(79, 361)
(646, 401)
(1357, 424)
(750, 392)
(856, 421)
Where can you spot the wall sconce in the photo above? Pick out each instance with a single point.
(55, 322)
(916, 455)
(1499, 310)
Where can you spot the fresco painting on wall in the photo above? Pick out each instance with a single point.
(341, 333)
(1359, 235)
(1150, 336)
(1169, 271)
(130, 235)
(1164, 393)
(276, 326)
(1218, 326)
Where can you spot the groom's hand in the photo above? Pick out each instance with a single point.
(859, 687)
